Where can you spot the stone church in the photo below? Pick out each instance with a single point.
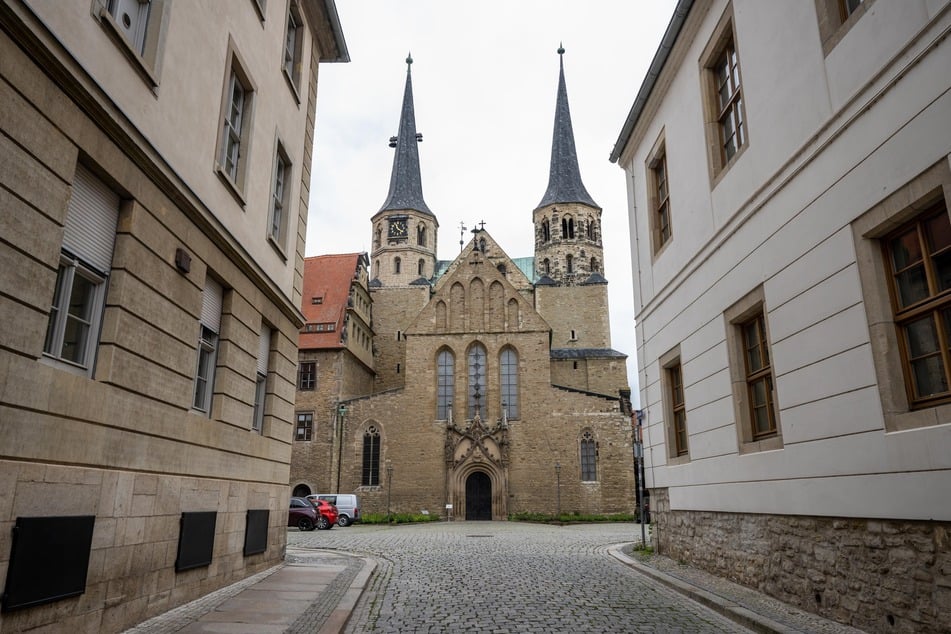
(472, 388)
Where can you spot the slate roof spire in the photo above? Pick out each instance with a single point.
(564, 177)
(406, 188)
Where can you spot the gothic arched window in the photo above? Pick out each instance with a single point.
(445, 383)
(508, 381)
(477, 386)
(397, 265)
(589, 228)
(421, 267)
(546, 266)
(421, 235)
(589, 457)
(546, 231)
(569, 264)
(371, 457)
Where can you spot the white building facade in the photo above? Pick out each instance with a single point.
(789, 184)
(154, 174)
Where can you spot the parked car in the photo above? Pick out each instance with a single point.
(302, 514)
(328, 515)
(347, 506)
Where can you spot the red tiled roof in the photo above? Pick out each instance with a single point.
(327, 277)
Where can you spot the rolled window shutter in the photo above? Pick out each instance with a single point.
(211, 305)
(264, 350)
(91, 218)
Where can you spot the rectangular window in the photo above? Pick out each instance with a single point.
(260, 386)
(901, 248)
(725, 117)
(79, 295)
(751, 375)
(305, 426)
(659, 195)
(209, 327)
(293, 46)
(759, 377)
(918, 259)
(137, 26)
(307, 376)
(234, 140)
(280, 193)
(730, 102)
(678, 410)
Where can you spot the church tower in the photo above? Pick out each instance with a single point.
(567, 220)
(404, 229)
(570, 291)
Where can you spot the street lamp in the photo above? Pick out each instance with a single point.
(341, 412)
(558, 490)
(389, 488)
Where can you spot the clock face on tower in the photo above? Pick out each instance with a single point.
(397, 228)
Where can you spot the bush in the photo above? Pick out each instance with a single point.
(397, 518)
(570, 518)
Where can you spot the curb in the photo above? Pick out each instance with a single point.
(728, 608)
(341, 613)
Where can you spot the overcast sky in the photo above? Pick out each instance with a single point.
(485, 76)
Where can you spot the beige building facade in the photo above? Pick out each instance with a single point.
(789, 179)
(153, 205)
(495, 389)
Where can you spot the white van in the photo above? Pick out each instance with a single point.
(348, 509)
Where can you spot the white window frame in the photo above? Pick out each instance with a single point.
(234, 141)
(61, 316)
(138, 27)
(209, 327)
(260, 384)
(293, 47)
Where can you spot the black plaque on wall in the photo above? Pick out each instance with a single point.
(255, 532)
(49, 559)
(196, 540)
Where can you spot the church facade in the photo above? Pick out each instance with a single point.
(492, 387)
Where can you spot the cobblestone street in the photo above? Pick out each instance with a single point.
(507, 577)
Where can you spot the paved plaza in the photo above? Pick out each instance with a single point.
(507, 577)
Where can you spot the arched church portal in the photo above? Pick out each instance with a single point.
(478, 496)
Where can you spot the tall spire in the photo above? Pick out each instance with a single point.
(564, 177)
(406, 189)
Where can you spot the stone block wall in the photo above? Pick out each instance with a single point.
(876, 575)
(131, 575)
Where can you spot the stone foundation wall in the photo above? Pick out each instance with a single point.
(876, 575)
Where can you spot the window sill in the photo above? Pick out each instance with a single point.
(718, 174)
(675, 461)
(277, 247)
(138, 62)
(62, 364)
(773, 443)
(230, 185)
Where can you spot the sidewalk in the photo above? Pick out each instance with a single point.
(312, 591)
(749, 608)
